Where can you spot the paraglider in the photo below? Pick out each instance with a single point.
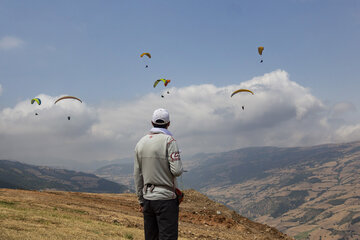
(68, 97)
(38, 101)
(242, 90)
(260, 50)
(165, 81)
(146, 54)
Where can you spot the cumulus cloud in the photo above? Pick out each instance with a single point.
(342, 108)
(204, 118)
(347, 133)
(8, 42)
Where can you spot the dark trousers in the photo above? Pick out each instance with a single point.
(161, 218)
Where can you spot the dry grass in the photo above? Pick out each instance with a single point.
(60, 215)
(30, 215)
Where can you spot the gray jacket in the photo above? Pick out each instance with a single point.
(158, 163)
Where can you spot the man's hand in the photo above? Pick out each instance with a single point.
(141, 208)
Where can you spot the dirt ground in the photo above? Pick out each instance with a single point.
(71, 215)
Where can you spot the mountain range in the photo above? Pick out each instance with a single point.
(18, 175)
(306, 192)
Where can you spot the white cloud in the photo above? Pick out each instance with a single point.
(342, 108)
(204, 118)
(348, 133)
(8, 42)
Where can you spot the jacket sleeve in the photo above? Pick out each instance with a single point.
(174, 159)
(138, 179)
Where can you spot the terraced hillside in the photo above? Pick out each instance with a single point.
(308, 193)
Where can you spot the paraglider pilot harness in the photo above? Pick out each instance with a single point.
(151, 187)
(179, 194)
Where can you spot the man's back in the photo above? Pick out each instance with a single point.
(152, 154)
(156, 166)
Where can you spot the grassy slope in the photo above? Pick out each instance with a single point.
(68, 215)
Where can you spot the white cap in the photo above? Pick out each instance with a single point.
(161, 116)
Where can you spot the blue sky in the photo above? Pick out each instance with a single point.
(90, 49)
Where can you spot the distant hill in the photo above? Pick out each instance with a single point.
(35, 215)
(119, 172)
(18, 175)
(306, 192)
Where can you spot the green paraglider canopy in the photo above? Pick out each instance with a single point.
(166, 81)
(36, 100)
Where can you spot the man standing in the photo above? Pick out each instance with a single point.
(157, 164)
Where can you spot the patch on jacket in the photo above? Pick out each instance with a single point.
(175, 156)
